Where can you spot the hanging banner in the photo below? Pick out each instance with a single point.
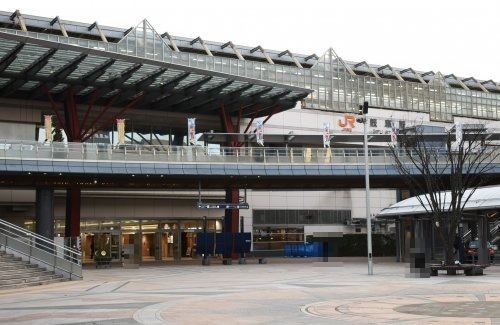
(48, 127)
(326, 135)
(260, 133)
(120, 127)
(394, 134)
(459, 133)
(191, 131)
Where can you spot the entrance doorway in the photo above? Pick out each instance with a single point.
(148, 246)
(109, 243)
(88, 247)
(188, 243)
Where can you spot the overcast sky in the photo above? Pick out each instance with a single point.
(451, 36)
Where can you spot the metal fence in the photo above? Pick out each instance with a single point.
(40, 250)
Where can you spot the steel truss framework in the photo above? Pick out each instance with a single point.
(338, 85)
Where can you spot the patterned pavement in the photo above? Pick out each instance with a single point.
(284, 291)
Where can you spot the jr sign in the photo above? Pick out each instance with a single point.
(347, 123)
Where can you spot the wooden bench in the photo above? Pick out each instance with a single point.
(469, 269)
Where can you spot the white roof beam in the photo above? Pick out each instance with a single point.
(294, 59)
(497, 87)
(261, 49)
(205, 47)
(373, 71)
(419, 77)
(61, 26)
(478, 84)
(457, 80)
(171, 40)
(101, 34)
(394, 72)
(20, 20)
(368, 67)
(235, 50)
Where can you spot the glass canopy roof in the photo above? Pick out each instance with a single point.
(141, 64)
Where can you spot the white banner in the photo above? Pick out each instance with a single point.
(459, 133)
(120, 127)
(191, 131)
(326, 135)
(48, 127)
(394, 134)
(260, 133)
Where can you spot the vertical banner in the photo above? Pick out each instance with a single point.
(120, 127)
(459, 133)
(191, 131)
(394, 134)
(326, 135)
(260, 133)
(48, 127)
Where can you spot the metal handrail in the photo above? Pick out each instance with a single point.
(26, 150)
(46, 252)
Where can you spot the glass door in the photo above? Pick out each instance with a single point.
(108, 244)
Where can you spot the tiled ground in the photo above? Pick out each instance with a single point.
(283, 291)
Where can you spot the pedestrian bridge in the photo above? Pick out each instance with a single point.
(84, 160)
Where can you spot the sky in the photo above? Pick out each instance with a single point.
(450, 36)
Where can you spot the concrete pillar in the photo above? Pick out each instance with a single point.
(72, 227)
(45, 212)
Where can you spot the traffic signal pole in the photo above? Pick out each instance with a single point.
(363, 109)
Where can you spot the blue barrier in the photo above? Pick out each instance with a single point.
(302, 250)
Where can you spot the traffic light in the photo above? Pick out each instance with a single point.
(363, 109)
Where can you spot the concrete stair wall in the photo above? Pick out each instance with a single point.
(16, 273)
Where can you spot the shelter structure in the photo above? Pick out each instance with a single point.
(481, 219)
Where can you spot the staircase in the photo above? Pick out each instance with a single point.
(16, 273)
(28, 259)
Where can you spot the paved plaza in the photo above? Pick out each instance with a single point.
(284, 291)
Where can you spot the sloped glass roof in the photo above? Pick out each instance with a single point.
(58, 63)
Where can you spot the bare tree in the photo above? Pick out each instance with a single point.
(458, 163)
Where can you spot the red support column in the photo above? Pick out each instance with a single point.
(232, 216)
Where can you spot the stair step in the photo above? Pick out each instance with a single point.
(20, 266)
(31, 284)
(41, 278)
(22, 275)
(10, 258)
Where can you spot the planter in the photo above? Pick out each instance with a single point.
(102, 262)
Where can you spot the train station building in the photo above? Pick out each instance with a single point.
(109, 133)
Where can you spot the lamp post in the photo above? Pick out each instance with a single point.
(364, 110)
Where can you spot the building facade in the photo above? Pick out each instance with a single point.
(322, 90)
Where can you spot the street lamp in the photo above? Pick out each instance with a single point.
(363, 109)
